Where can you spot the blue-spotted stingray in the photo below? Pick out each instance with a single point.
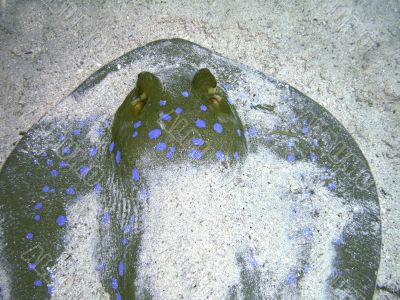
(78, 190)
(189, 120)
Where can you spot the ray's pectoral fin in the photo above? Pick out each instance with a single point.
(148, 86)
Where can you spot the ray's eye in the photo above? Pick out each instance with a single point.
(137, 105)
(215, 100)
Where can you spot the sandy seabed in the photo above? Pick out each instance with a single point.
(344, 56)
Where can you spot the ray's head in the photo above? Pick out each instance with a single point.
(190, 115)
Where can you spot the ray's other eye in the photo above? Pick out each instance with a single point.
(215, 100)
(136, 106)
(205, 84)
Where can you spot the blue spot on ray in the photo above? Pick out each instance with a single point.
(218, 128)
(163, 102)
(129, 227)
(238, 132)
(84, 170)
(313, 157)
(135, 134)
(227, 86)
(291, 157)
(135, 174)
(37, 218)
(178, 110)
(121, 268)
(38, 205)
(100, 267)
(45, 189)
(31, 266)
(97, 188)
(195, 153)
(252, 132)
(61, 220)
(290, 143)
(170, 152)
(37, 283)
(220, 155)
(49, 162)
(62, 164)
(50, 289)
(185, 94)
(236, 156)
(29, 236)
(137, 124)
(111, 147)
(70, 190)
(106, 218)
(166, 117)
(339, 241)
(292, 279)
(143, 194)
(54, 173)
(231, 101)
(77, 132)
(114, 283)
(307, 268)
(203, 107)
(155, 133)
(197, 141)
(118, 157)
(92, 151)
(66, 150)
(200, 123)
(161, 146)
(252, 259)
(307, 232)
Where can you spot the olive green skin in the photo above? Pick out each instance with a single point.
(180, 129)
(140, 151)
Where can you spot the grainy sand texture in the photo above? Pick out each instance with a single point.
(342, 54)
